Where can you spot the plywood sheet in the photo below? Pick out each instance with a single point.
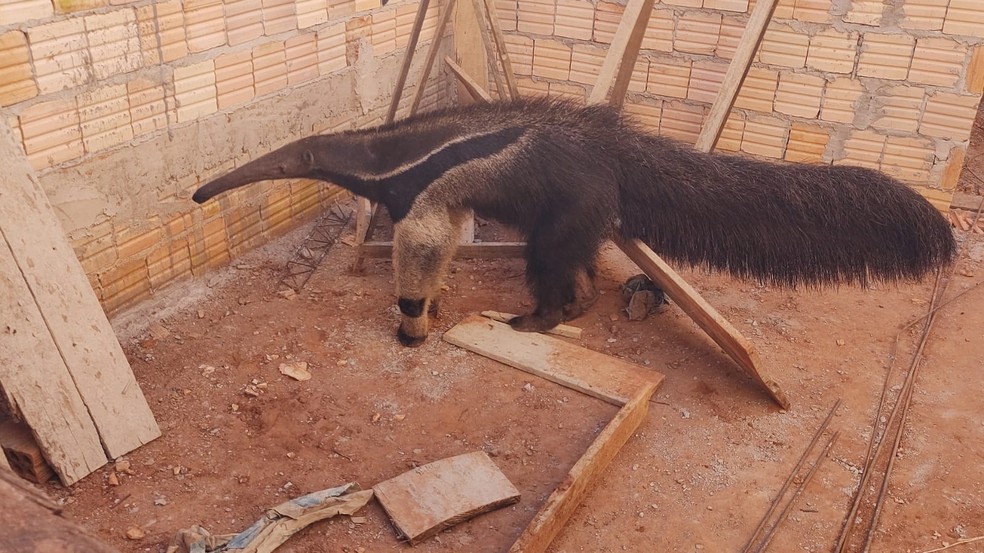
(575, 367)
(37, 383)
(58, 287)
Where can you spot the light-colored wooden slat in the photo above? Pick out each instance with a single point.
(616, 70)
(562, 503)
(478, 250)
(500, 48)
(71, 312)
(418, 24)
(733, 79)
(589, 372)
(37, 383)
(704, 314)
(435, 47)
(477, 92)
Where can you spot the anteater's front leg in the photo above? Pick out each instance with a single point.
(424, 243)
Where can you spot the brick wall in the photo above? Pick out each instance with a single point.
(892, 84)
(125, 106)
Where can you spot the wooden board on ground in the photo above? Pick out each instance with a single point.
(76, 322)
(555, 513)
(438, 495)
(575, 367)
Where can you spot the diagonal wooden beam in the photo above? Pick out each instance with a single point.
(488, 42)
(733, 79)
(442, 24)
(418, 24)
(500, 48)
(474, 89)
(616, 71)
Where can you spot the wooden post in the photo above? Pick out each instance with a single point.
(63, 329)
(488, 43)
(500, 48)
(435, 46)
(564, 500)
(733, 79)
(620, 60)
(418, 24)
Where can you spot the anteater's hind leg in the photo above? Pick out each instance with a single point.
(423, 246)
(558, 249)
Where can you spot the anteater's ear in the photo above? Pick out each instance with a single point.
(309, 158)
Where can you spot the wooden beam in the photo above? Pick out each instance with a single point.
(418, 24)
(435, 47)
(589, 372)
(474, 89)
(74, 319)
(562, 503)
(478, 250)
(488, 43)
(616, 71)
(737, 70)
(716, 326)
(500, 48)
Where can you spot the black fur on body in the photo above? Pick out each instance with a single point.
(570, 177)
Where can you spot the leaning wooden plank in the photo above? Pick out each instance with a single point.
(740, 62)
(75, 320)
(565, 331)
(704, 314)
(478, 250)
(581, 369)
(562, 503)
(435, 47)
(500, 48)
(488, 42)
(37, 383)
(616, 70)
(438, 495)
(474, 89)
(401, 81)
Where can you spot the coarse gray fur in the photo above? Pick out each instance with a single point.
(570, 177)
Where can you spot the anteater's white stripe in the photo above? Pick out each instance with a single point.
(408, 166)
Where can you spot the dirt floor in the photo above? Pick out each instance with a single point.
(703, 468)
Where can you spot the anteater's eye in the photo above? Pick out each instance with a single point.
(308, 157)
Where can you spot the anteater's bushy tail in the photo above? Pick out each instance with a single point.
(784, 224)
